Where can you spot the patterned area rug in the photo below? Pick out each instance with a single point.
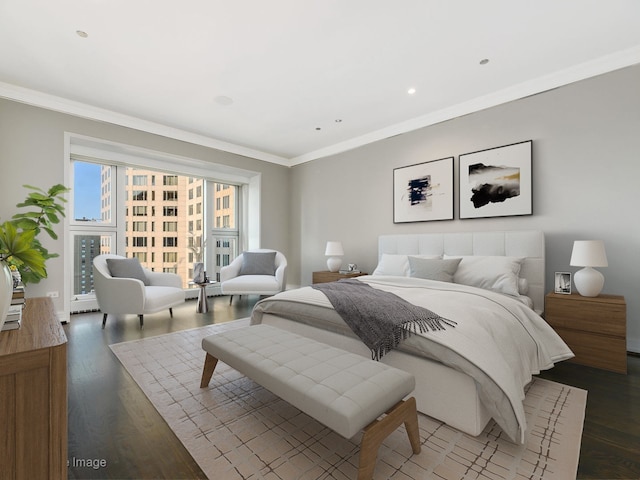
(235, 429)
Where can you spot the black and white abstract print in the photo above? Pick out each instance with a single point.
(493, 184)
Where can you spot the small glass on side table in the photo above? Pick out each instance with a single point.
(203, 304)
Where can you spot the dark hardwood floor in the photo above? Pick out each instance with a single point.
(115, 432)
(611, 436)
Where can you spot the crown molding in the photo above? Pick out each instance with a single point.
(599, 66)
(63, 105)
(609, 63)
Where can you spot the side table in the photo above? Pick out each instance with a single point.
(203, 304)
(594, 328)
(327, 276)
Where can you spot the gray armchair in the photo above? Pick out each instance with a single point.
(260, 272)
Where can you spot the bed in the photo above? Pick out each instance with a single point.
(468, 374)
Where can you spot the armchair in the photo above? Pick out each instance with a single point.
(124, 287)
(260, 272)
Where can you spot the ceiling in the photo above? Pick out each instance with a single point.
(289, 81)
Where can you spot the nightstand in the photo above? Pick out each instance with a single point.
(594, 328)
(327, 276)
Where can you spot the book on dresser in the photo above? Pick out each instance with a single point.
(14, 317)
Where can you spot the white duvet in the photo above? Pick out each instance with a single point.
(499, 341)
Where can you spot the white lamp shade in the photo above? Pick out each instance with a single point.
(588, 253)
(334, 249)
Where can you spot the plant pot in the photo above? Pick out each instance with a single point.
(6, 291)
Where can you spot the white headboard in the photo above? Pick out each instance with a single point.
(528, 244)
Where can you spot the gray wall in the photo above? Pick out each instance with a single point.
(586, 168)
(32, 152)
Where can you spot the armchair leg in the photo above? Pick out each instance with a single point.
(230, 299)
(171, 312)
(104, 320)
(141, 320)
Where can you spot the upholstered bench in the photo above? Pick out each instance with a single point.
(344, 391)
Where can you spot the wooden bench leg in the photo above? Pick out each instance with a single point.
(210, 363)
(375, 433)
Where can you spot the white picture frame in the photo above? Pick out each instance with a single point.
(423, 192)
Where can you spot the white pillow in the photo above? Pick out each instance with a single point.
(396, 265)
(438, 269)
(496, 273)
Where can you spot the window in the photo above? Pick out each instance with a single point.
(139, 226)
(139, 242)
(170, 211)
(169, 226)
(141, 256)
(139, 211)
(139, 195)
(172, 243)
(169, 195)
(170, 257)
(170, 180)
(139, 180)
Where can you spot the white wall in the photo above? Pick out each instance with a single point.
(586, 169)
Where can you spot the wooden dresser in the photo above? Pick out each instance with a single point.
(33, 395)
(327, 276)
(595, 328)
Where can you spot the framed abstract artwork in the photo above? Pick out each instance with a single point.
(423, 192)
(496, 182)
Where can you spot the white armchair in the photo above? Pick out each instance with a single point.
(124, 287)
(260, 272)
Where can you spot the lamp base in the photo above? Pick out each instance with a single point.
(333, 263)
(589, 282)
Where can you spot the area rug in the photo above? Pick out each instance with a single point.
(235, 429)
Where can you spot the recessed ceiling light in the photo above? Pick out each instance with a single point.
(411, 91)
(338, 120)
(82, 33)
(484, 61)
(318, 128)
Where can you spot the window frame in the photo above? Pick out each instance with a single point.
(93, 150)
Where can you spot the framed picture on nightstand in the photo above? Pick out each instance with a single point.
(563, 283)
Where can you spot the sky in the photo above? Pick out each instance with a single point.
(86, 190)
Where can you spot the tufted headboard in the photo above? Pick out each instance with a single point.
(528, 244)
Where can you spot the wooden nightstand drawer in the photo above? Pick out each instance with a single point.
(594, 328)
(605, 314)
(608, 353)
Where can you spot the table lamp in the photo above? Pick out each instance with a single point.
(334, 251)
(588, 254)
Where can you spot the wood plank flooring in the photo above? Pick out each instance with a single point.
(115, 432)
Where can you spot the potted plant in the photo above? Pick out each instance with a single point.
(19, 245)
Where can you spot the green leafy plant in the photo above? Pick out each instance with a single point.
(19, 245)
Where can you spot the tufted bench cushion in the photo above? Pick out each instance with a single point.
(344, 391)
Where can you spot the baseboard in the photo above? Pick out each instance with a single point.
(633, 347)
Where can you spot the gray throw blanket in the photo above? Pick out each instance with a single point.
(381, 319)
